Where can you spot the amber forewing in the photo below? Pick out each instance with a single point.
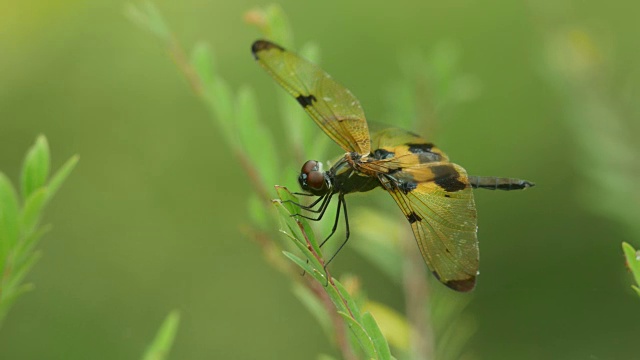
(333, 107)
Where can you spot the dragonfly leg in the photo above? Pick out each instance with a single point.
(320, 211)
(335, 223)
(346, 221)
(310, 206)
(302, 194)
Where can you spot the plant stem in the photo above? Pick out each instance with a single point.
(177, 53)
(416, 293)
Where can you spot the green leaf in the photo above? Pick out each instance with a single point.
(161, 345)
(35, 168)
(148, 18)
(633, 260)
(288, 200)
(370, 325)
(256, 139)
(364, 340)
(216, 93)
(25, 246)
(351, 304)
(278, 28)
(295, 234)
(61, 175)
(21, 270)
(336, 298)
(9, 227)
(203, 62)
(318, 271)
(32, 210)
(315, 307)
(393, 325)
(303, 265)
(19, 232)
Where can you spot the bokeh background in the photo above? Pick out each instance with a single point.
(150, 220)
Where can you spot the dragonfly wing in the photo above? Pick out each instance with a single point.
(332, 106)
(437, 200)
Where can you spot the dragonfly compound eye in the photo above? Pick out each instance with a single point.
(315, 180)
(309, 166)
(312, 178)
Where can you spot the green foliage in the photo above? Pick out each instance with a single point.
(431, 87)
(36, 167)
(335, 304)
(20, 228)
(575, 64)
(633, 263)
(424, 97)
(367, 334)
(273, 23)
(161, 345)
(148, 17)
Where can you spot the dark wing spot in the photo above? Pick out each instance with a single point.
(420, 148)
(382, 154)
(261, 45)
(306, 100)
(413, 217)
(447, 178)
(424, 152)
(462, 285)
(451, 185)
(407, 186)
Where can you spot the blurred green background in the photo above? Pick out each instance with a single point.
(150, 220)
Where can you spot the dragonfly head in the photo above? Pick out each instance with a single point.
(313, 179)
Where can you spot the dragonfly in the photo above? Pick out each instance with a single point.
(434, 194)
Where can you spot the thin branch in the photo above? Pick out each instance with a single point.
(318, 289)
(177, 53)
(338, 324)
(416, 294)
(341, 335)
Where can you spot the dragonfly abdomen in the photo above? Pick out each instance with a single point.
(498, 183)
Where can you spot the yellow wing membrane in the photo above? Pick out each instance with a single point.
(440, 208)
(400, 148)
(333, 107)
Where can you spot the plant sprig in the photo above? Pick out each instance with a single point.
(161, 344)
(20, 229)
(365, 330)
(335, 304)
(633, 263)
